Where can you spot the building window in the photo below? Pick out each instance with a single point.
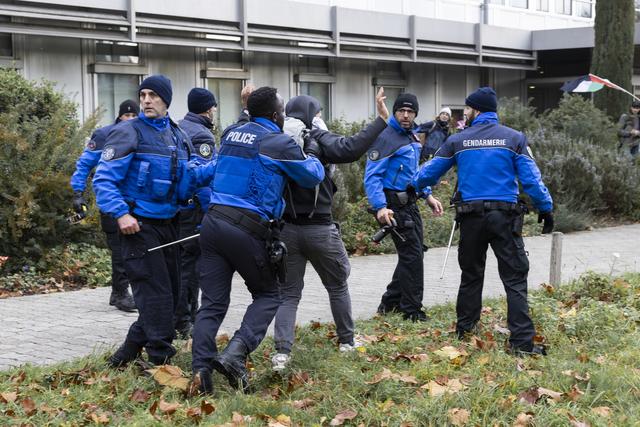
(322, 92)
(496, 2)
(313, 64)
(524, 4)
(6, 45)
(542, 5)
(584, 8)
(563, 7)
(230, 60)
(118, 52)
(112, 90)
(227, 92)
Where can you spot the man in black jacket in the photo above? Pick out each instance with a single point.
(310, 233)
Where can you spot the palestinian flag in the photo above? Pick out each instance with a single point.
(591, 83)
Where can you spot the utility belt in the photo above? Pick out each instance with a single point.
(400, 198)
(154, 221)
(245, 219)
(480, 206)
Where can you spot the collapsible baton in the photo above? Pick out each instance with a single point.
(174, 243)
(446, 256)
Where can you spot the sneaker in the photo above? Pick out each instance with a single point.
(280, 361)
(350, 346)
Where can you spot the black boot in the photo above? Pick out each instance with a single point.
(122, 300)
(416, 316)
(123, 355)
(231, 363)
(201, 382)
(533, 350)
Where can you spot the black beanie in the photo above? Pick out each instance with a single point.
(635, 104)
(129, 106)
(159, 84)
(483, 100)
(200, 100)
(406, 100)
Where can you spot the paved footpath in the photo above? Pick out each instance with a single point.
(44, 329)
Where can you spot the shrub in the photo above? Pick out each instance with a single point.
(40, 139)
(515, 114)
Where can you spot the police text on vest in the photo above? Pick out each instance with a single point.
(245, 138)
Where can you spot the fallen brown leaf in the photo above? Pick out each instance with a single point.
(29, 406)
(438, 389)
(281, 420)
(168, 407)
(603, 411)
(576, 375)
(458, 417)
(523, 420)
(303, 404)
(207, 407)
(340, 418)
(194, 413)
(386, 374)
(575, 393)
(19, 377)
(529, 396)
(8, 396)
(576, 423)
(99, 418)
(170, 376)
(139, 396)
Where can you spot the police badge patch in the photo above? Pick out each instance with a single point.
(374, 154)
(108, 153)
(205, 150)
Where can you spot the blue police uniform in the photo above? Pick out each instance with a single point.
(391, 165)
(253, 166)
(86, 163)
(144, 172)
(491, 159)
(199, 130)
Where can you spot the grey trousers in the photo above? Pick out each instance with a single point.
(323, 247)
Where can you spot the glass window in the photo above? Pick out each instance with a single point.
(112, 90)
(227, 92)
(121, 52)
(224, 59)
(391, 92)
(6, 45)
(584, 8)
(314, 64)
(542, 5)
(496, 1)
(563, 7)
(524, 4)
(322, 92)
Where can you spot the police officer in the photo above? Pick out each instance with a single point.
(120, 296)
(310, 232)
(141, 177)
(491, 159)
(392, 162)
(198, 125)
(253, 166)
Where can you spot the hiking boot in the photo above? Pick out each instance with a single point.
(280, 361)
(533, 351)
(122, 300)
(385, 309)
(232, 364)
(125, 354)
(201, 382)
(418, 316)
(350, 346)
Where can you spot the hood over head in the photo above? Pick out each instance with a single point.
(303, 108)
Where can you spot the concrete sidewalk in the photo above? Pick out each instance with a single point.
(44, 329)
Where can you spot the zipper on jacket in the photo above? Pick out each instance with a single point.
(397, 173)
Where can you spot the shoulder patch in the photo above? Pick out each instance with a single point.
(205, 150)
(374, 155)
(108, 153)
(90, 144)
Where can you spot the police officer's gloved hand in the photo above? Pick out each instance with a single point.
(547, 217)
(79, 203)
(311, 147)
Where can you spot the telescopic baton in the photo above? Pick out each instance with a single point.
(446, 256)
(174, 243)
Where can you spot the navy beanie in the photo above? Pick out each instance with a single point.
(128, 106)
(200, 100)
(159, 84)
(483, 100)
(406, 100)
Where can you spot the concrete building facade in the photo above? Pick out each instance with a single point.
(97, 51)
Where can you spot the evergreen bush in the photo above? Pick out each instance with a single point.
(40, 140)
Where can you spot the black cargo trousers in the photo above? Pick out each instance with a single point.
(498, 224)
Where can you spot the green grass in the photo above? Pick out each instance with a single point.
(590, 327)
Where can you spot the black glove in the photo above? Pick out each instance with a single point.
(547, 217)
(79, 203)
(311, 147)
